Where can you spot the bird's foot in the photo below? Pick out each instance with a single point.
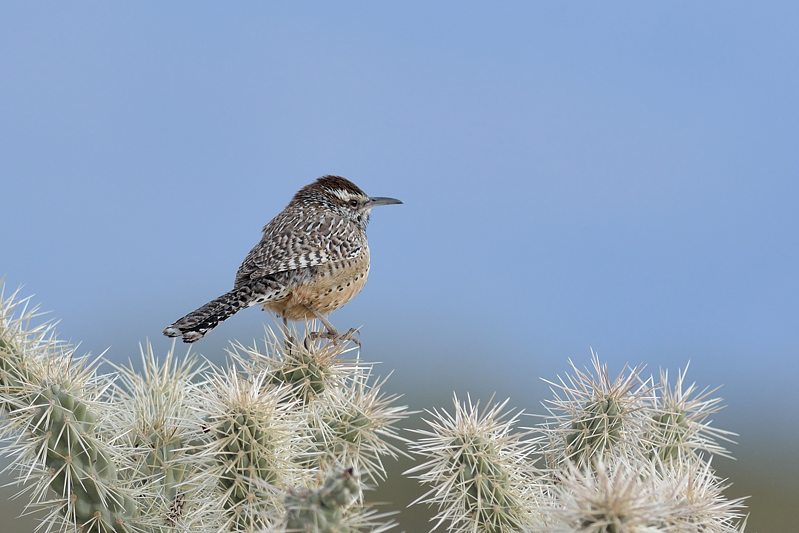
(333, 336)
(351, 335)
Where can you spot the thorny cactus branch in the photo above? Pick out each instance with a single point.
(634, 496)
(679, 426)
(480, 470)
(324, 510)
(280, 439)
(593, 415)
(52, 401)
(350, 420)
(184, 446)
(623, 456)
(161, 419)
(255, 440)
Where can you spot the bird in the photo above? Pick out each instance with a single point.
(313, 258)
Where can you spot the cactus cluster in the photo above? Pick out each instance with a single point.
(481, 473)
(321, 510)
(277, 440)
(288, 435)
(614, 455)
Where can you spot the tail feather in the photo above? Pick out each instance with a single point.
(196, 324)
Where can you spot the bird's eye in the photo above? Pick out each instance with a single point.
(353, 203)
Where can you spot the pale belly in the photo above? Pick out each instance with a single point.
(331, 288)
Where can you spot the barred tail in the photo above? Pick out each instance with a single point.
(196, 324)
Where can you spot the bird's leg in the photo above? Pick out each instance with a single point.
(331, 331)
(332, 334)
(288, 339)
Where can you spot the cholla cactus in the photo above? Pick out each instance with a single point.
(159, 412)
(351, 422)
(480, 470)
(279, 441)
(185, 446)
(678, 426)
(309, 369)
(633, 496)
(623, 456)
(598, 499)
(329, 509)
(252, 438)
(699, 502)
(356, 426)
(54, 403)
(592, 415)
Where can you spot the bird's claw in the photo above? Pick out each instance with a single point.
(332, 336)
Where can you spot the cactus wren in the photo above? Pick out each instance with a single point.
(312, 259)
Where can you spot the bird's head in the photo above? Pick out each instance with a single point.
(344, 197)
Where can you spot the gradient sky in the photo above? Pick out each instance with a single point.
(574, 176)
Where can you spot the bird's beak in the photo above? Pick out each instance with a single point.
(382, 200)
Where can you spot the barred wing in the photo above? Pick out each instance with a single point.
(294, 241)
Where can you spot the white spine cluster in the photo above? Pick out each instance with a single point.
(277, 441)
(621, 455)
(480, 471)
(280, 440)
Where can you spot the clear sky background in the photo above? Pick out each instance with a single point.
(621, 176)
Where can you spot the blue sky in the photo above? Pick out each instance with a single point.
(574, 175)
